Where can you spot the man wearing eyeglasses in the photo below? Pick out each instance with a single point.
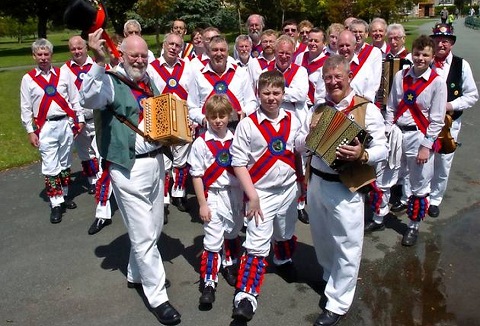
(180, 28)
(135, 164)
(290, 28)
(133, 27)
(255, 25)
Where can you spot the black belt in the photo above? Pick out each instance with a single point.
(153, 153)
(325, 176)
(56, 118)
(408, 128)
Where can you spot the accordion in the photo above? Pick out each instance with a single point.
(389, 68)
(166, 120)
(334, 129)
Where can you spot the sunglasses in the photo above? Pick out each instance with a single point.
(290, 30)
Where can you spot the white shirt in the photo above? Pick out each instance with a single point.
(255, 68)
(97, 92)
(201, 158)
(31, 95)
(249, 145)
(367, 80)
(160, 83)
(431, 101)
(314, 76)
(469, 88)
(200, 89)
(374, 124)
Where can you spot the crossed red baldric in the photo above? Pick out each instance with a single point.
(362, 57)
(411, 90)
(221, 86)
(222, 161)
(287, 74)
(51, 95)
(79, 71)
(311, 68)
(172, 79)
(271, 154)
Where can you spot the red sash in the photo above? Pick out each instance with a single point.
(172, 80)
(263, 63)
(223, 160)
(411, 90)
(311, 68)
(287, 74)
(301, 48)
(362, 57)
(187, 50)
(276, 149)
(220, 86)
(79, 71)
(51, 94)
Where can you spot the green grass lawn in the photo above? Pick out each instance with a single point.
(15, 149)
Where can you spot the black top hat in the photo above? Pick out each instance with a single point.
(82, 14)
(443, 30)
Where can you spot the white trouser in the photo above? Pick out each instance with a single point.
(83, 142)
(387, 177)
(56, 138)
(419, 174)
(442, 166)
(336, 224)
(139, 195)
(279, 208)
(227, 217)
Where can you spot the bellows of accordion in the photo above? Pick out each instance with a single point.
(334, 129)
(166, 120)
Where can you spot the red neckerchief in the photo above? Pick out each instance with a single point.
(263, 63)
(220, 86)
(362, 57)
(276, 146)
(223, 160)
(439, 63)
(172, 80)
(411, 90)
(51, 94)
(311, 68)
(79, 71)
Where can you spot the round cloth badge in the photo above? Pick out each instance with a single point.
(172, 83)
(224, 158)
(220, 87)
(277, 146)
(81, 75)
(142, 99)
(409, 97)
(50, 90)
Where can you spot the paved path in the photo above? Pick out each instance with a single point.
(58, 275)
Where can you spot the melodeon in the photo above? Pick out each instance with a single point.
(334, 129)
(389, 68)
(166, 120)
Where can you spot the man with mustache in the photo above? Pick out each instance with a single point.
(255, 25)
(134, 163)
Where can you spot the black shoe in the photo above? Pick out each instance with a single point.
(303, 216)
(287, 271)
(165, 214)
(244, 311)
(180, 203)
(410, 237)
(230, 274)
(372, 226)
(167, 314)
(69, 203)
(98, 224)
(433, 211)
(132, 285)
(92, 189)
(327, 318)
(398, 207)
(56, 215)
(208, 295)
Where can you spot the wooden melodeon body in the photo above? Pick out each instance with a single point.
(166, 120)
(389, 68)
(334, 129)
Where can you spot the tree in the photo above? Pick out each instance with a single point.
(44, 11)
